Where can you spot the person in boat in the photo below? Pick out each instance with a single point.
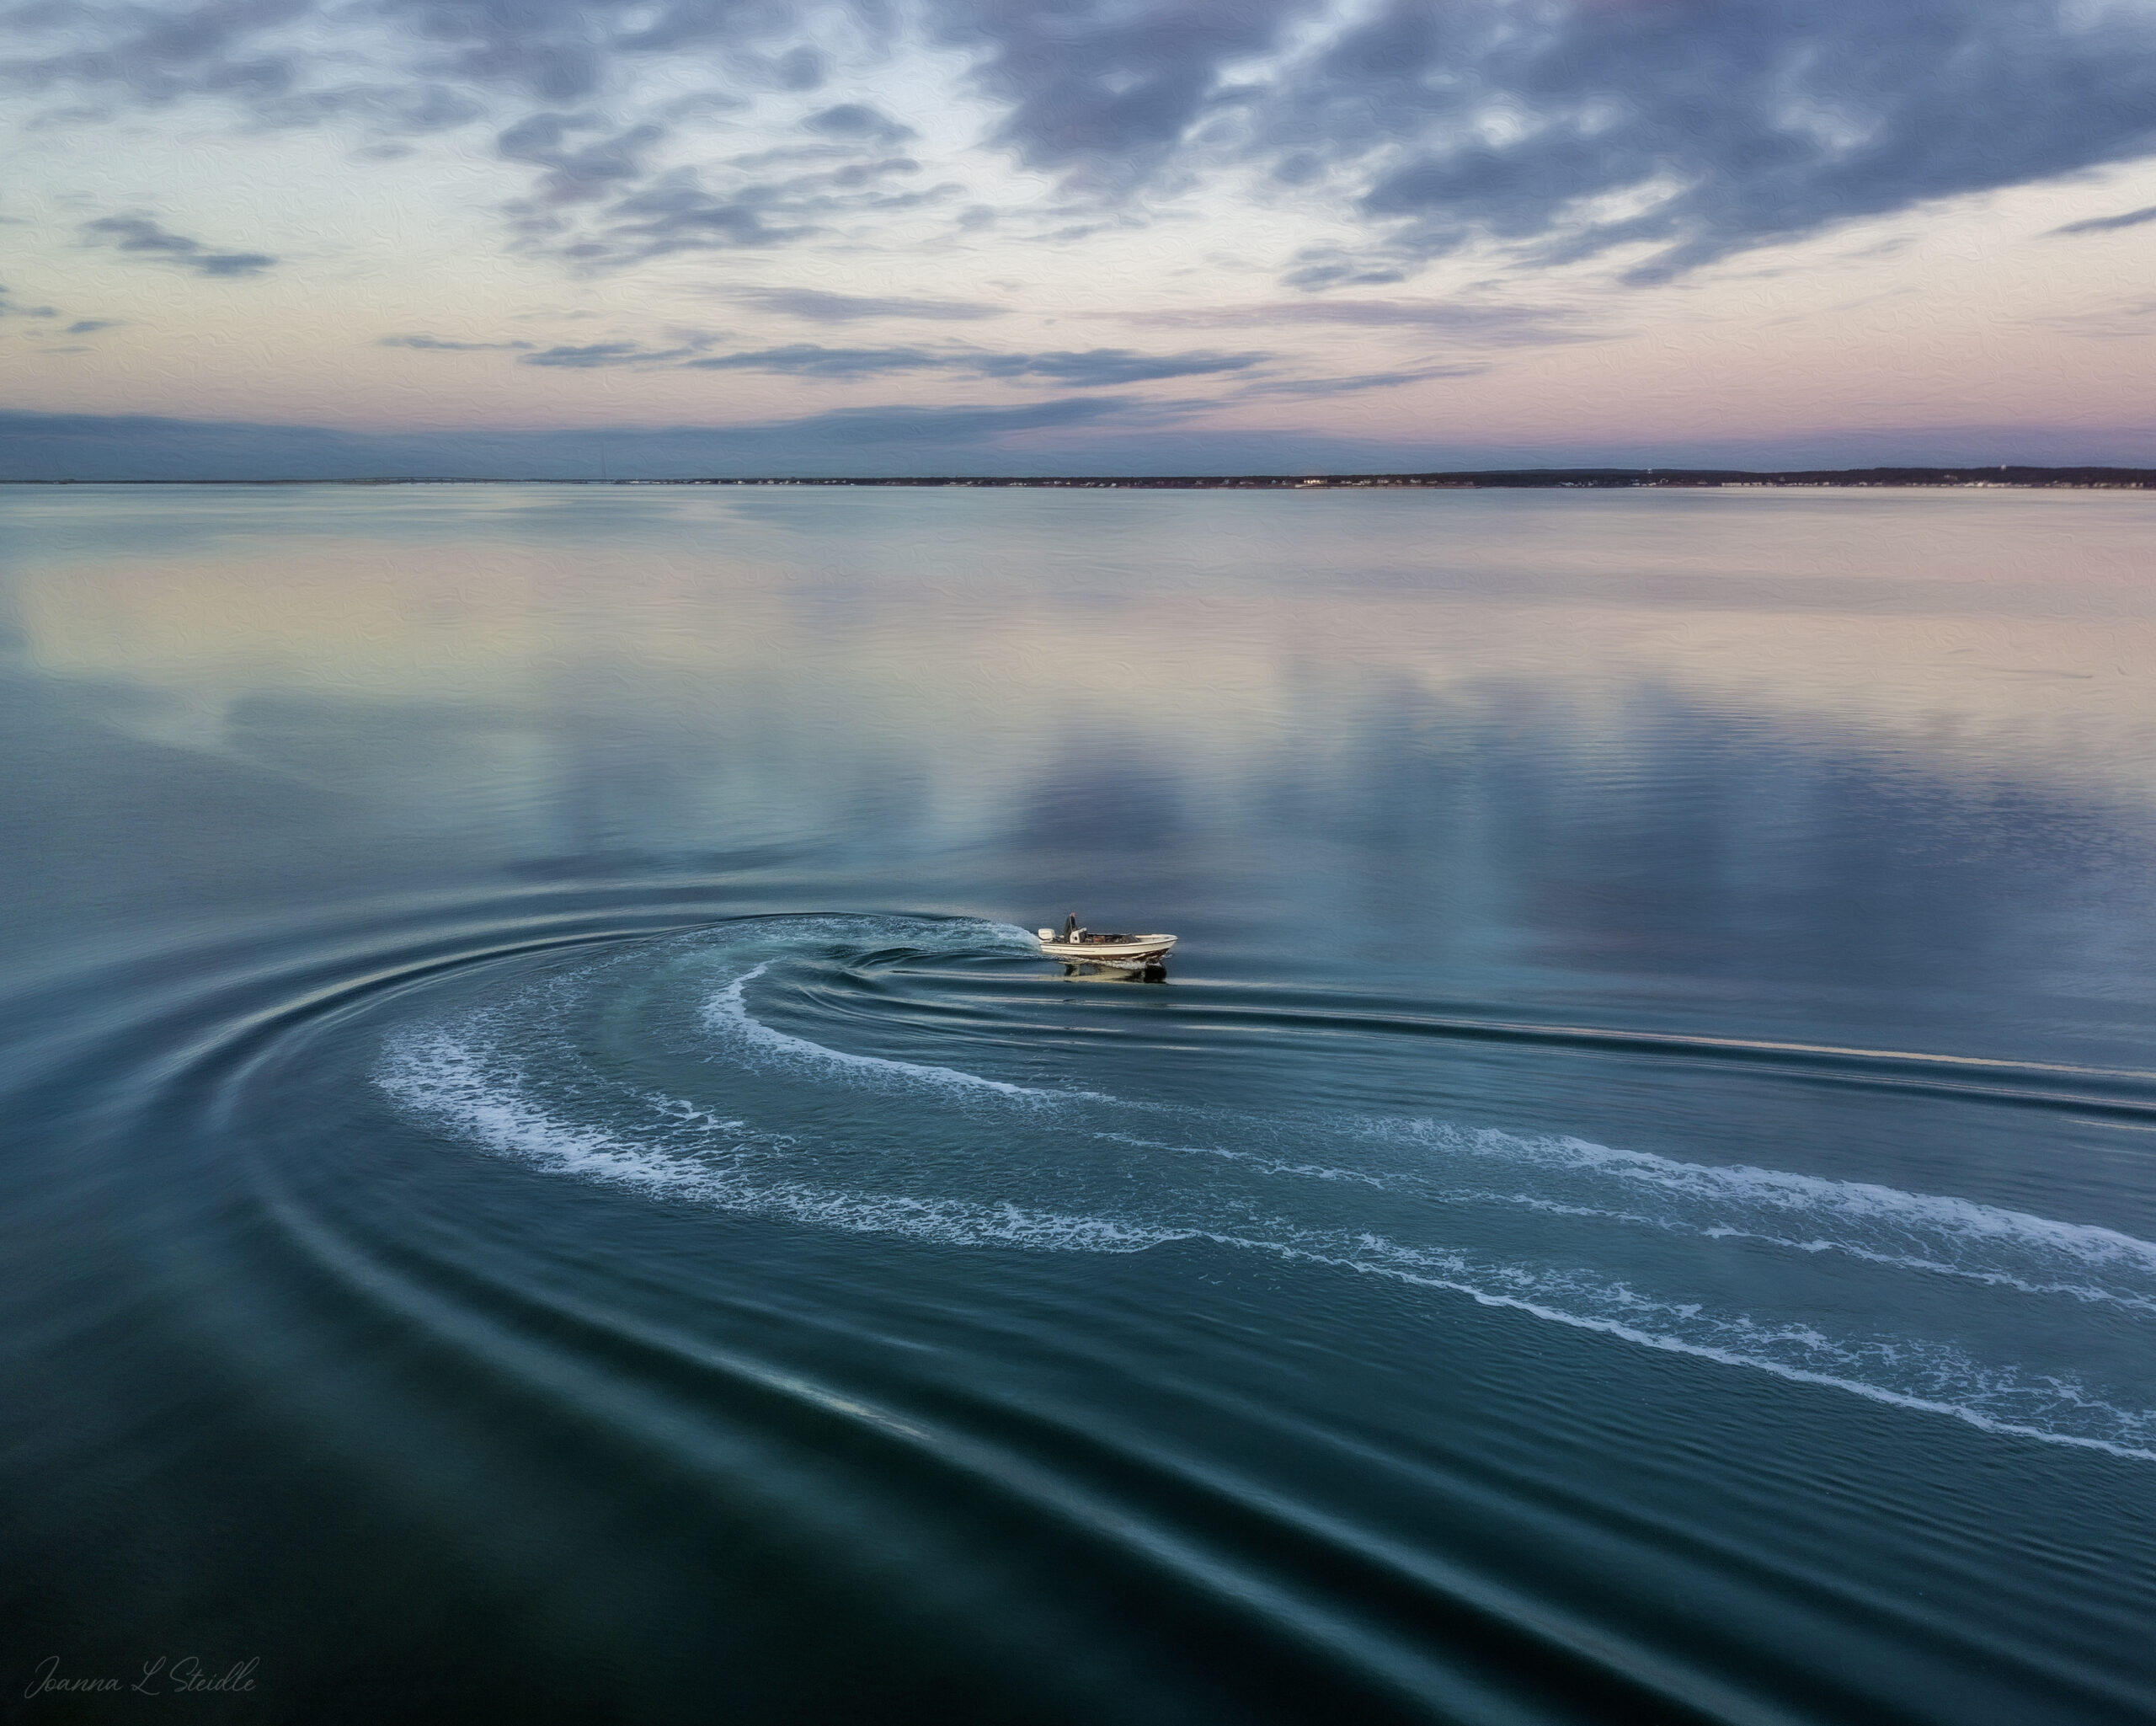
(1070, 927)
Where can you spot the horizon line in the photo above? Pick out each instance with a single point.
(2075, 476)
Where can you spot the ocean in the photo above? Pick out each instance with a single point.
(546, 1176)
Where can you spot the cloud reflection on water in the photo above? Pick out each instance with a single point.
(1834, 739)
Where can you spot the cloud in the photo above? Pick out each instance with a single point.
(906, 427)
(814, 306)
(2131, 319)
(587, 172)
(1668, 133)
(610, 192)
(800, 68)
(403, 109)
(1681, 130)
(1567, 130)
(2106, 224)
(1472, 325)
(10, 308)
(434, 345)
(562, 80)
(87, 326)
(1352, 385)
(676, 210)
(1095, 368)
(857, 121)
(593, 356)
(138, 235)
(1109, 90)
(157, 56)
(807, 359)
(1091, 368)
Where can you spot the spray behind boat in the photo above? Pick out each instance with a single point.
(1078, 945)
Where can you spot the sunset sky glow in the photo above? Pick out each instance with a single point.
(1019, 236)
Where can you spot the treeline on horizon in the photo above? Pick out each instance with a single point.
(1529, 479)
(1526, 478)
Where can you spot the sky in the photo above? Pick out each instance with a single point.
(633, 238)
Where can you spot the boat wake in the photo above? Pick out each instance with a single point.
(693, 1069)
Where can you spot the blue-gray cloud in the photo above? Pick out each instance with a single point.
(579, 173)
(2122, 319)
(1671, 132)
(1696, 128)
(2106, 224)
(88, 326)
(858, 120)
(434, 345)
(1565, 129)
(1354, 384)
(814, 306)
(1110, 90)
(140, 237)
(10, 307)
(1089, 368)
(594, 356)
(1094, 368)
(1468, 325)
(807, 359)
(630, 214)
(904, 426)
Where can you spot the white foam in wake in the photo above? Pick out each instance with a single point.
(471, 1092)
(1139, 1189)
(1810, 1213)
(1986, 1398)
(727, 1014)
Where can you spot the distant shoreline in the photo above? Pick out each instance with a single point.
(1498, 479)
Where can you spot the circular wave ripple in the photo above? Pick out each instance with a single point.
(706, 1068)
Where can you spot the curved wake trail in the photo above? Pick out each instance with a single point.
(1880, 1224)
(456, 1083)
(727, 1013)
(2015, 1324)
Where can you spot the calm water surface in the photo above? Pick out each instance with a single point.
(543, 1176)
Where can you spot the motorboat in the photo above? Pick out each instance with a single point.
(1082, 946)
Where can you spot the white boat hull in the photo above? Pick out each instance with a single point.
(1138, 950)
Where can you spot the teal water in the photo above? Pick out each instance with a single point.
(544, 1176)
